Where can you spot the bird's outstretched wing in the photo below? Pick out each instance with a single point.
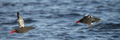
(96, 19)
(20, 20)
(87, 14)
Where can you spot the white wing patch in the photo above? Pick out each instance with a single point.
(20, 21)
(87, 14)
(91, 24)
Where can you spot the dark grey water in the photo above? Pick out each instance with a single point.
(55, 19)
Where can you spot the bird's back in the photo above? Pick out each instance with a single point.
(24, 29)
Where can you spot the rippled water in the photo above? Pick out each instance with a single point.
(55, 19)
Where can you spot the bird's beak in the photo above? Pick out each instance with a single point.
(78, 22)
(13, 31)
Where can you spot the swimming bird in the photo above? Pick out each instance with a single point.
(22, 28)
(88, 19)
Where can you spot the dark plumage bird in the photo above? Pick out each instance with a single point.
(22, 28)
(87, 19)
